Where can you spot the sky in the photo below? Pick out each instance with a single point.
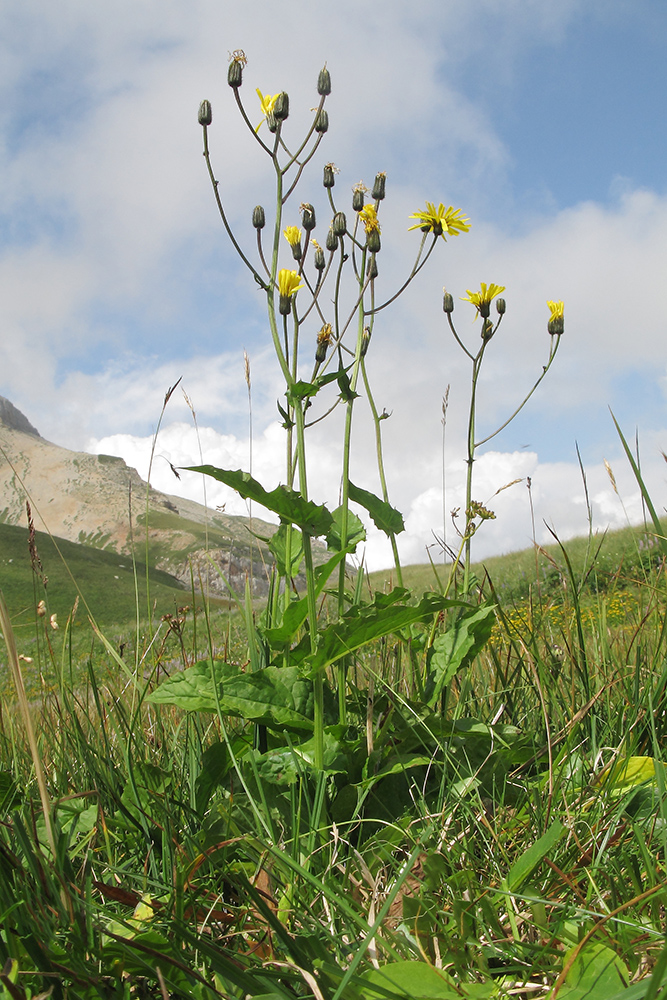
(543, 122)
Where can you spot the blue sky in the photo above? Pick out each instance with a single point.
(544, 122)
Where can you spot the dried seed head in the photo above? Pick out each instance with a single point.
(358, 196)
(323, 341)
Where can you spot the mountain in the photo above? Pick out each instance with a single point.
(99, 501)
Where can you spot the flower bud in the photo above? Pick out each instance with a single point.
(281, 107)
(373, 241)
(322, 121)
(324, 82)
(365, 340)
(556, 326)
(235, 73)
(501, 306)
(272, 122)
(258, 217)
(323, 341)
(339, 224)
(373, 268)
(308, 217)
(487, 329)
(378, 187)
(358, 198)
(447, 303)
(319, 259)
(205, 116)
(332, 240)
(330, 171)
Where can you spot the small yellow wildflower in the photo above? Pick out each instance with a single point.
(369, 217)
(482, 299)
(288, 282)
(556, 323)
(441, 220)
(556, 309)
(293, 235)
(267, 102)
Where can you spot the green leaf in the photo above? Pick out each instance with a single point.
(287, 420)
(418, 981)
(385, 517)
(277, 697)
(347, 394)
(596, 973)
(287, 565)
(457, 648)
(355, 531)
(530, 859)
(296, 612)
(365, 623)
(302, 390)
(288, 504)
(10, 794)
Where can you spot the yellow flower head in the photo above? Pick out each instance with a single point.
(556, 309)
(369, 217)
(288, 282)
(482, 299)
(556, 323)
(441, 220)
(267, 102)
(293, 235)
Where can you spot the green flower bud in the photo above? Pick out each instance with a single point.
(258, 217)
(205, 116)
(358, 198)
(322, 121)
(324, 82)
(285, 305)
(308, 217)
(235, 73)
(319, 259)
(556, 326)
(281, 107)
(323, 341)
(272, 122)
(487, 329)
(501, 306)
(373, 268)
(330, 171)
(373, 241)
(365, 340)
(378, 187)
(332, 240)
(447, 303)
(339, 224)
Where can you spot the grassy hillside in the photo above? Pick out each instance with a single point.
(617, 559)
(105, 580)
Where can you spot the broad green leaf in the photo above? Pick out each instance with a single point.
(287, 565)
(355, 531)
(419, 981)
(277, 697)
(631, 772)
(296, 612)
(305, 390)
(399, 764)
(385, 517)
(457, 648)
(365, 623)
(286, 503)
(596, 973)
(530, 859)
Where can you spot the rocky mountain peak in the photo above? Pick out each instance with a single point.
(12, 417)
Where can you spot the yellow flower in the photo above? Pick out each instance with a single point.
(267, 102)
(482, 299)
(288, 282)
(441, 220)
(293, 235)
(556, 309)
(556, 323)
(369, 217)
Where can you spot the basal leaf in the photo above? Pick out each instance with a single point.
(278, 697)
(531, 858)
(596, 974)
(286, 503)
(385, 517)
(457, 648)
